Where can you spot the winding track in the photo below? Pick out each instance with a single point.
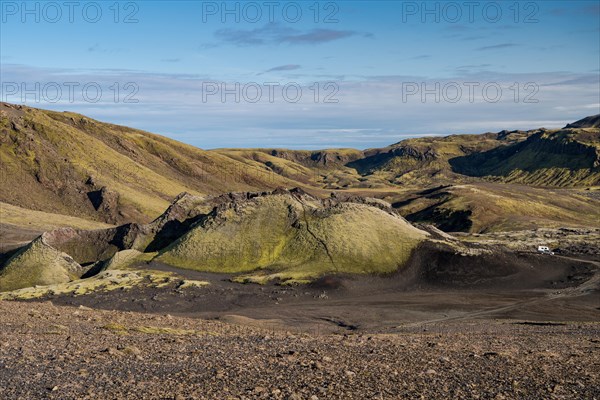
(591, 284)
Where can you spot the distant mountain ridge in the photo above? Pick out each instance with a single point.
(567, 157)
(66, 163)
(588, 122)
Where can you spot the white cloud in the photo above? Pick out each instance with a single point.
(371, 111)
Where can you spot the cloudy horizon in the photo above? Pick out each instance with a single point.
(339, 74)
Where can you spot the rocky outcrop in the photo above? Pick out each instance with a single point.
(38, 263)
(588, 122)
(295, 237)
(319, 158)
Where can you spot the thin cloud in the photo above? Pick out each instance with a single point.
(462, 69)
(273, 33)
(497, 46)
(287, 67)
(468, 32)
(473, 66)
(96, 48)
(371, 111)
(421, 57)
(587, 80)
(318, 36)
(474, 37)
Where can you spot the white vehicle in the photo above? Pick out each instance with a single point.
(544, 250)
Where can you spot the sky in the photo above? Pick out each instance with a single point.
(305, 74)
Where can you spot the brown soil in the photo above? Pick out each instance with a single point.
(533, 287)
(498, 326)
(53, 352)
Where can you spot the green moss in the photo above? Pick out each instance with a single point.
(295, 241)
(37, 264)
(126, 258)
(120, 329)
(105, 281)
(116, 328)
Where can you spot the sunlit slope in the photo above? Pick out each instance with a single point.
(68, 164)
(485, 207)
(568, 157)
(289, 236)
(38, 263)
(42, 221)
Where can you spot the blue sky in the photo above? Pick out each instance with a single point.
(356, 74)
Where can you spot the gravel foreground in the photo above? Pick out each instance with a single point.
(56, 352)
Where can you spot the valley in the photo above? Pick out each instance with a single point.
(430, 240)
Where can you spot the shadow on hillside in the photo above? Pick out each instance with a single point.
(534, 154)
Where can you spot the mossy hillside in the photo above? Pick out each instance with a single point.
(271, 168)
(62, 158)
(291, 238)
(52, 155)
(38, 264)
(90, 246)
(43, 221)
(236, 240)
(494, 207)
(363, 239)
(101, 249)
(321, 160)
(560, 177)
(105, 281)
(126, 258)
(119, 170)
(426, 159)
(562, 158)
(58, 256)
